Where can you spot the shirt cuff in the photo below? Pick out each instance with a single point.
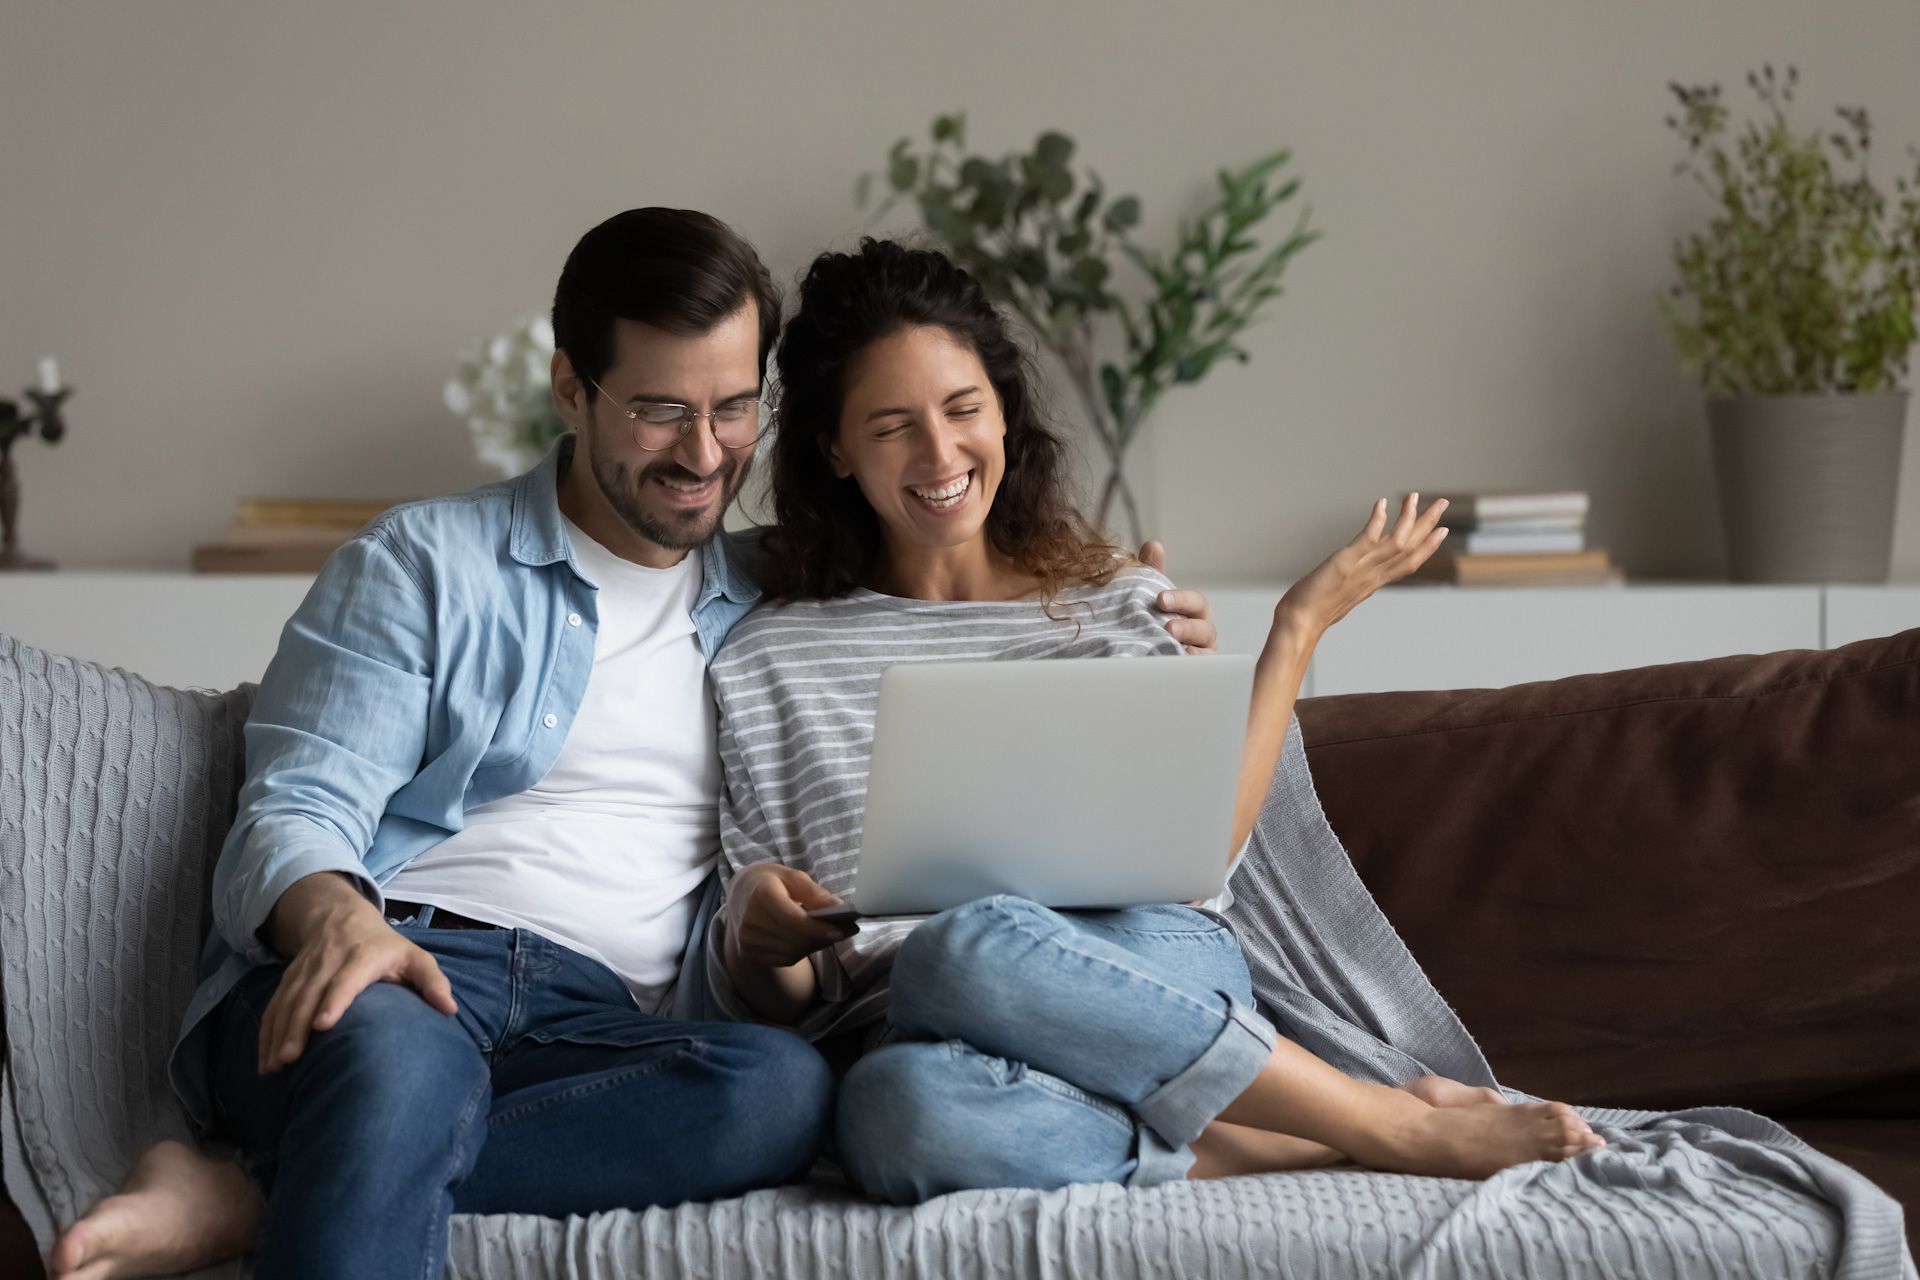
(251, 899)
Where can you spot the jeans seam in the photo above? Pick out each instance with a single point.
(432, 1264)
(1070, 1092)
(515, 964)
(1061, 938)
(600, 1083)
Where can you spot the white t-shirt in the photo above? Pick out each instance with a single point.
(608, 852)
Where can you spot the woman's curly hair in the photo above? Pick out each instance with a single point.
(826, 539)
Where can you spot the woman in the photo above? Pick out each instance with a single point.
(923, 516)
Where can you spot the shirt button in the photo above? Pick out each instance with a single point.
(550, 720)
(573, 619)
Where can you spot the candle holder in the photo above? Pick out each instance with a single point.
(13, 425)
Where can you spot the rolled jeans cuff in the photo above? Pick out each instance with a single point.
(1154, 1162)
(1179, 1110)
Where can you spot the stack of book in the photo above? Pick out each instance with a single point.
(1517, 540)
(284, 535)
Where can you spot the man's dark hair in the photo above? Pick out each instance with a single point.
(674, 269)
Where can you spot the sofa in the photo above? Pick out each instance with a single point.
(1685, 884)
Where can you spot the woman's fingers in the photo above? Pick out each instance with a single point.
(1376, 521)
(1407, 561)
(1409, 518)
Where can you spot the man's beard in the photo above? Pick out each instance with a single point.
(674, 530)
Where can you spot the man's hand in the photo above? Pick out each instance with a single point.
(1192, 624)
(340, 945)
(767, 922)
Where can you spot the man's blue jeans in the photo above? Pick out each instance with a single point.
(1035, 1049)
(549, 1092)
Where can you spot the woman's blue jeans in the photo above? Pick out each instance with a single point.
(1035, 1049)
(549, 1092)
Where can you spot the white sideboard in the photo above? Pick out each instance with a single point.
(214, 631)
(191, 631)
(1443, 637)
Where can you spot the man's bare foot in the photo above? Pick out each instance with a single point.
(1438, 1091)
(1477, 1141)
(178, 1211)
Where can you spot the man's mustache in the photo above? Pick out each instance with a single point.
(674, 471)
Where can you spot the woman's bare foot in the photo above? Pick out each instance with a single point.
(178, 1211)
(1439, 1091)
(1227, 1150)
(1477, 1141)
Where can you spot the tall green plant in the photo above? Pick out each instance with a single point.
(1045, 241)
(1805, 277)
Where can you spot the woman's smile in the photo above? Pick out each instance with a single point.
(946, 496)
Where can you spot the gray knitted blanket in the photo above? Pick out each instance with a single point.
(114, 795)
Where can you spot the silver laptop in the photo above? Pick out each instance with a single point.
(1075, 782)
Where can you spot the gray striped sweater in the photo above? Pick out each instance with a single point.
(796, 683)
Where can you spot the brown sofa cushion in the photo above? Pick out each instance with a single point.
(1686, 884)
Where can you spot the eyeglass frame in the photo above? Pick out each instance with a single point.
(688, 416)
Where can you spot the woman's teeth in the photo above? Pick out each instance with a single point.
(947, 495)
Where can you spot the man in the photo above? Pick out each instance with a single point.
(478, 831)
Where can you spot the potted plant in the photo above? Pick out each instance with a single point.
(1795, 307)
(1044, 241)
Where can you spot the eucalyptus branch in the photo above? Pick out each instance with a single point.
(1044, 239)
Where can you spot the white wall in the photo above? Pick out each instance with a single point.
(257, 235)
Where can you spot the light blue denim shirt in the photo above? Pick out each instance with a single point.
(436, 665)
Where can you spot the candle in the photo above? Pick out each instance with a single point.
(49, 374)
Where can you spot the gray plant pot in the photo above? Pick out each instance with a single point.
(1807, 484)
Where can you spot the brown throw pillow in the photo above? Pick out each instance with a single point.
(1686, 884)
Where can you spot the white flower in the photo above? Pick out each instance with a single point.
(504, 391)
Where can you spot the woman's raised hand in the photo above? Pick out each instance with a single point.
(767, 921)
(1379, 555)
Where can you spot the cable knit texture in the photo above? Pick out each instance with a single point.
(114, 795)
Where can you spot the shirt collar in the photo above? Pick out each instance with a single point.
(539, 535)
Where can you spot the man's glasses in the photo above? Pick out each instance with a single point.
(659, 426)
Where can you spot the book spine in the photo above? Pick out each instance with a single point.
(1481, 511)
(1482, 541)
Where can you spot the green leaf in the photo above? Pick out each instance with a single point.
(863, 190)
(945, 128)
(1054, 184)
(1123, 213)
(1088, 203)
(989, 207)
(1053, 150)
(904, 172)
(1029, 263)
(1090, 272)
